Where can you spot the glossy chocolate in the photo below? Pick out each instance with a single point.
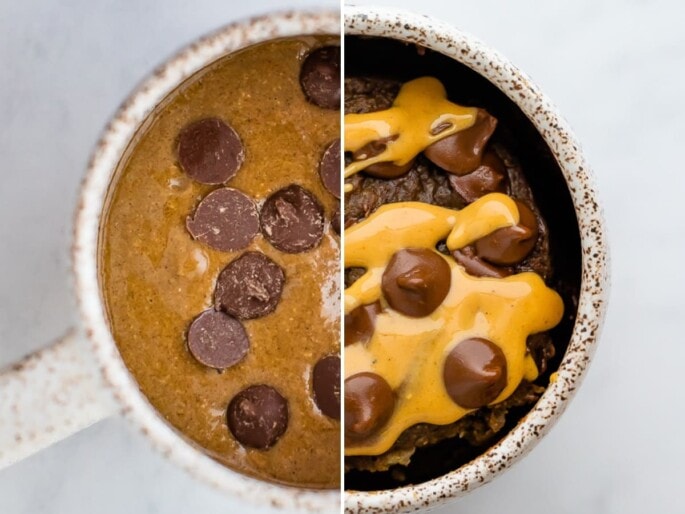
(510, 245)
(461, 153)
(381, 169)
(476, 266)
(360, 323)
(475, 372)
(489, 177)
(369, 403)
(416, 281)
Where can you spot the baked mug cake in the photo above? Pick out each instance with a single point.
(220, 260)
(462, 264)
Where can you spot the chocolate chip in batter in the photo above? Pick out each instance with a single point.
(320, 77)
(416, 281)
(210, 151)
(335, 220)
(461, 152)
(226, 219)
(475, 372)
(369, 403)
(250, 286)
(292, 219)
(329, 168)
(258, 416)
(217, 340)
(326, 385)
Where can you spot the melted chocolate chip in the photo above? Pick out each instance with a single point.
(369, 403)
(476, 266)
(475, 373)
(388, 169)
(381, 169)
(326, 386)
(510, 245)
(461, 152)
(250, 286)
(329, 168)
(226, 219)
(217, 340)
(258, 416)
(489, 177)
(292, 219)
(416, 281)
(360, 323)
(320, 77)
(210, 151)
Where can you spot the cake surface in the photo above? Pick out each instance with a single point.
(227, 316)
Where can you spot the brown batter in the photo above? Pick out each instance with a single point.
(156, 278)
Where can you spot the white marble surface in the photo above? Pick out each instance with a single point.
(615, 68)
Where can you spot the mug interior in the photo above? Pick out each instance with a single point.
(564, 191)
(101, 175)
(402, 62)
(374, 22)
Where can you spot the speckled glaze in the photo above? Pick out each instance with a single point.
(82, 378)
(438, 36)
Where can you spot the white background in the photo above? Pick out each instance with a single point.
(617, 71)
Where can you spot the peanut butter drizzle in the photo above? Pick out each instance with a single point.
(419, 116)
(410, 352)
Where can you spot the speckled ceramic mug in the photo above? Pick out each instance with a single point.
(81, 378)
(440, 37)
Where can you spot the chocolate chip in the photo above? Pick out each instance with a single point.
(381, 169)
(250, 286)
(510, 245)
(416, 281)
(335, 220)
(320, 77)
(226, 219)
(326, 385)
(475, 372)
(329, 168)
(258, 416)
(369, 403)
(292, 219)
(461, 152)
(217, 340)
(476, 266)
(360, 323)
(489, 177)
(388, 169)
(210, 151)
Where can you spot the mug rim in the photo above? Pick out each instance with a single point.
(407, 26)
(104, 160)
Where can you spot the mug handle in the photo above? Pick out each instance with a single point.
(50, 395)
